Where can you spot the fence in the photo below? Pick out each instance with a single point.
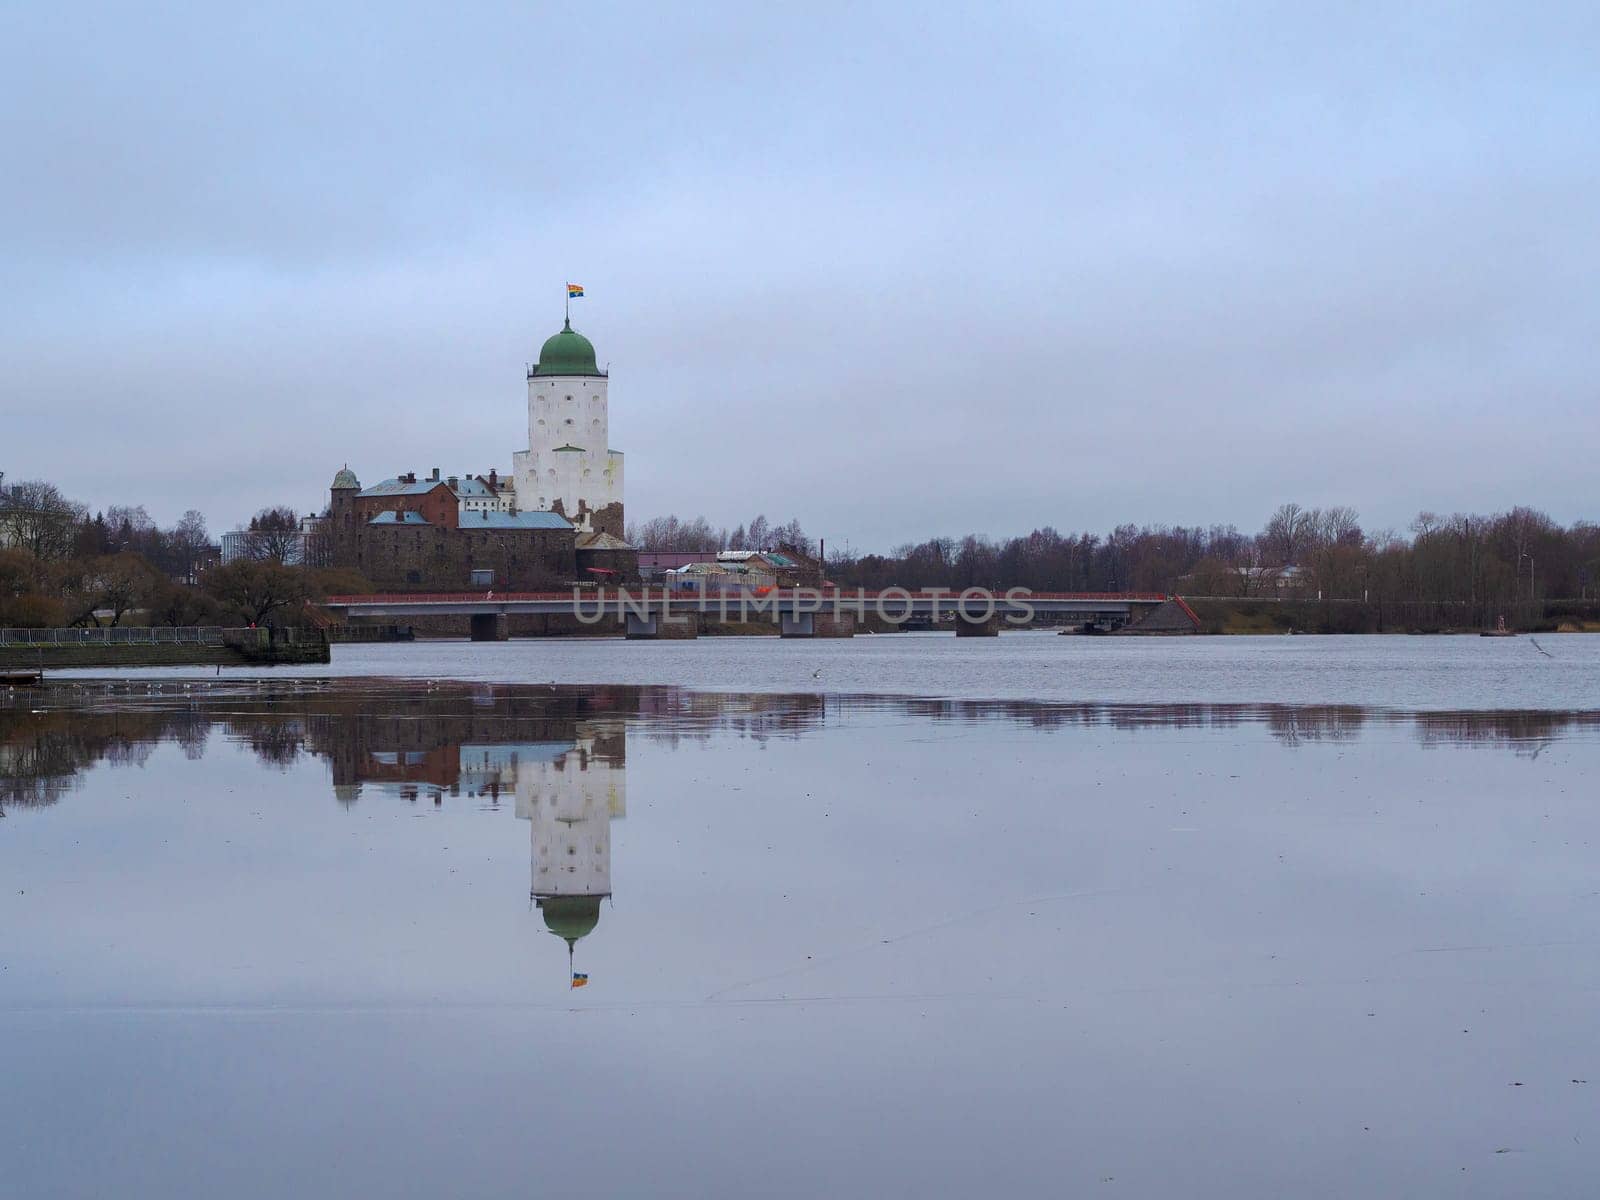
(199, 635)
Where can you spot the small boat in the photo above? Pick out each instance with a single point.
(12, 679)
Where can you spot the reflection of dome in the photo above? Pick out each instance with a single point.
(567, 353)
(570, 917)
(346, 478)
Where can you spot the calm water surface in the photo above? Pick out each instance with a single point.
(265, 937)
(1554, 671)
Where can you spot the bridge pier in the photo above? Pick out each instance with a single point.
(658, 628)
(488, 627)
(835, 625)
(817, 625)
(970, 628)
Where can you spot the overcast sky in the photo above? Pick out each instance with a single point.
(897, 270)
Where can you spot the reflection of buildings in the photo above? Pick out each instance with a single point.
(569, 802)
(562, 770)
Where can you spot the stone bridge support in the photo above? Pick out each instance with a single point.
(658, 628)
(835, 625)
(965, 627)
(488, 627)
(817, 624)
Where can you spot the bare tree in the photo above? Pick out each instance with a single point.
(1286, 534)
(257, 589)
(36, 517)
(190, 544)
(274, 536)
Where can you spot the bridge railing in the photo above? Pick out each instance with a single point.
(591, 596)
(108, 635)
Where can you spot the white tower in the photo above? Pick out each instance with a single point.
(569, 465)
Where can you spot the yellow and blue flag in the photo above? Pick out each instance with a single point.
(574, 290)
(579, 980)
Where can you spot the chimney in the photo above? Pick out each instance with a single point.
(409, 477)
(494, 481)
(452, 481)
(435, 476)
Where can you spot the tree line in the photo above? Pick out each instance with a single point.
(61, 565)
(1502, 558)
(697, 535)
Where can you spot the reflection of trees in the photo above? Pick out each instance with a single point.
(411, 734)
(42, 754)
(1527, 731)
(1324, 723)
(670, 716)
(39, 770)
(275, 742)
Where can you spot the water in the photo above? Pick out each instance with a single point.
(1554, 671)
(272, 936)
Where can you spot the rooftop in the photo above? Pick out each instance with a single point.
(522, 520)
(602, 541)
(567, 353)
(403, 487)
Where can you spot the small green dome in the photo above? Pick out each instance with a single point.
(570, 917)
(567, 353)
(346, 478)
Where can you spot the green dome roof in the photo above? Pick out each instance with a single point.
(346, 478)
(570, 917)
(567, 353)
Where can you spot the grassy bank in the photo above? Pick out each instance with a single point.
(1250, 616)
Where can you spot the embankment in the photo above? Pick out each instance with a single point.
(235, 647)
(1264, 615)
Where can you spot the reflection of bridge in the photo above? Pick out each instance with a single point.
(799, 612)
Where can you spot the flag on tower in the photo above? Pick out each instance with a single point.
(579, 979)
(574, 290)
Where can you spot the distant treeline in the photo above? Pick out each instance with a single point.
(698, 535)
(1300, 552)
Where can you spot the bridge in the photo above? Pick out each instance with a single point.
(798, 612)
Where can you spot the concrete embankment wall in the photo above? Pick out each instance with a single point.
(46, 657)
(246, 651)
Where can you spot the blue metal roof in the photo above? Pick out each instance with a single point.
(398, 487)
(477, 756)
(521, 520)
(472, 487)
(404, 518)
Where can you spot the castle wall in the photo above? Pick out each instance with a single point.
(435, 558)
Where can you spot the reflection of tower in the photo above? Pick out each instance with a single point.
(570, 802)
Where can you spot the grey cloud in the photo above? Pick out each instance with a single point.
(892, 270)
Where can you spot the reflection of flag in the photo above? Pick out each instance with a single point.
(574, 290)
(578, 980)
